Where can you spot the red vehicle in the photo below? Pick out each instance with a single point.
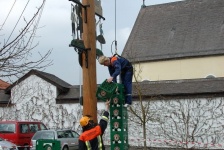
(20, 132)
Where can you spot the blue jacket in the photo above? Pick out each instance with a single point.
(118, 65)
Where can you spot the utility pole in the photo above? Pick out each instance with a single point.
(89, 59)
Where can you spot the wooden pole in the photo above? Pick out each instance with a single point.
(89, 74)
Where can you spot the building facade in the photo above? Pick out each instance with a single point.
(177, 50)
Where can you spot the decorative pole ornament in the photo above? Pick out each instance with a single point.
(143, 5)
(98, 8)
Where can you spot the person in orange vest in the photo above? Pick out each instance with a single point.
(118, 65)
(91, 138)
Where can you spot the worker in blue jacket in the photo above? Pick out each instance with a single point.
(118, 65)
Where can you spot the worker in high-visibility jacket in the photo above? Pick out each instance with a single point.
(118, 65)
(91, 138)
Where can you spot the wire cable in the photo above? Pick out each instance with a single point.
(17, 22)
(8, 15)
(115, 26)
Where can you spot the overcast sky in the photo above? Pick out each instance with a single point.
(56, 31)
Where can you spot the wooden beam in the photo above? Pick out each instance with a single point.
(89, 73)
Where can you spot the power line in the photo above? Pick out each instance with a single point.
(8, 15)
(17, 22)
(115, 26)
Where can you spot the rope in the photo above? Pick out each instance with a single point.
(115, 23)
(115, 26)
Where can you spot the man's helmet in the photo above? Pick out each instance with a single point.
(84, 121)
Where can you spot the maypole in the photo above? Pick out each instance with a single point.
(83, 14)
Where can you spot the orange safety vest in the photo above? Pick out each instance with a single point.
(113, 59)
(90, 135)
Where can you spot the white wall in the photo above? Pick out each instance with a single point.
(172, 123)
(185, 123)
(34, 99)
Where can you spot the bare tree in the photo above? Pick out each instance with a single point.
(178, 123)
(16, 54)
(140, 113)
(189, 123)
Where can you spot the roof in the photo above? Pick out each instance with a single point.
(166, 88)
(4, 98)
(191, 28)
(71, 96)
(59, 83)
(3, 84)
(185, 88)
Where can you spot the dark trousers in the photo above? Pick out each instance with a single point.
(126, 80)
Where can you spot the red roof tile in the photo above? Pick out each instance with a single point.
(3, 84)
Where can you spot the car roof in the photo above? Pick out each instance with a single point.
(56, 130)
(46, 130)
(11, 121)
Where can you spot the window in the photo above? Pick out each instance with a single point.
(8, 128)
(33, 127)
(48, 135)
(68, 134)
(24, 128)
(44, 135)
(75, 135)
(64, 134)
(61, 134)
(43, 127)
(145, 80)
(210, 76)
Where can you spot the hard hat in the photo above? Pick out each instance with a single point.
(84, 121)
